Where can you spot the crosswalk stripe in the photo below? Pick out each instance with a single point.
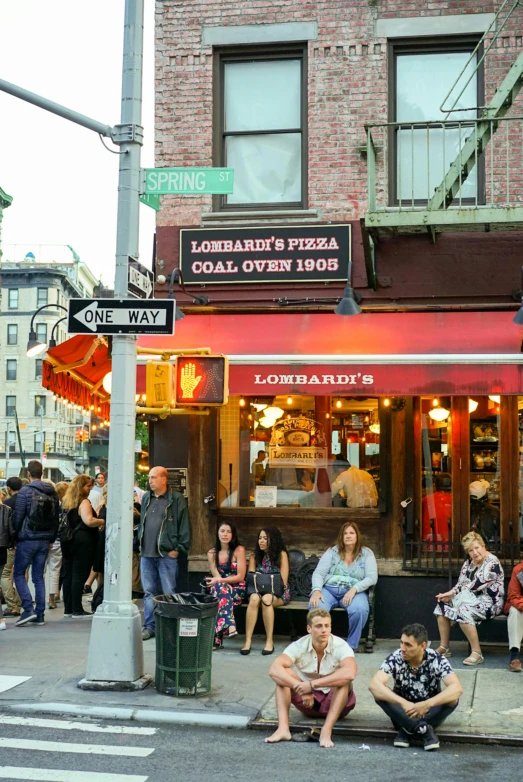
(38, 722)
(82, 749)
(57, 775)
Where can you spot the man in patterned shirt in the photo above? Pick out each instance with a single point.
(417, 703)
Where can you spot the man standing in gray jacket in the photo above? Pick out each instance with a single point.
(164, 534)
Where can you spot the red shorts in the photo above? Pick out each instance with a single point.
(322, 702)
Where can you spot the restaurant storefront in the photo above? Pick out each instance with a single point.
(423, 404)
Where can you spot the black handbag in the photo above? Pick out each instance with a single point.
(265, 584)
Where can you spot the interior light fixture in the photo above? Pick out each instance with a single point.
(266, 422)
(439, 413)
(435, 402)
(289, 400)
(259, 407)
(242, 402)
(273, 412)
(107, 382)
(327, 415)
(496, 399)
(386, 402)
(374, 428)
(338, 403)
(473, 405)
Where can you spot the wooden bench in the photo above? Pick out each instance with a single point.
(300, 582)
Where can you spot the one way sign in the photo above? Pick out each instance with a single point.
(120, 316)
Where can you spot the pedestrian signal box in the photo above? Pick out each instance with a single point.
(201, 381)
(159, 380)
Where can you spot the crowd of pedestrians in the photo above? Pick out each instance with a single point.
(62, 527)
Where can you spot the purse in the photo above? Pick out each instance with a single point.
(265, 584)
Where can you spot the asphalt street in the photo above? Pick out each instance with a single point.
(63, 750)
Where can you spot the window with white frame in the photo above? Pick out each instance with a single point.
(10, 369)
(42, 297)
(12, 334)
(12, 298)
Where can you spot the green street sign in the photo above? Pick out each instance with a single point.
(151, 200)
(189, 181)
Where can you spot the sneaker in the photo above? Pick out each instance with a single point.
(402, 739)
(13, 612)
(82, 615)
(147, 633)
(39, 621)
(27, 616)
(3, 626)
(430, 740)
(515, 666)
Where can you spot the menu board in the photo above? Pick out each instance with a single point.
(178, 479)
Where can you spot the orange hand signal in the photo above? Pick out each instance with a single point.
(189, 381)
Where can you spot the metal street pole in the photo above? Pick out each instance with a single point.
(7, 449)
(116, 647)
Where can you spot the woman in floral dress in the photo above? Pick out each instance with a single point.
(227, 563)
(477, 596)
(270, 556)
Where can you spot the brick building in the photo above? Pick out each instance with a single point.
(381, 142)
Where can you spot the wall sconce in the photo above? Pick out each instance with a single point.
(439, 413)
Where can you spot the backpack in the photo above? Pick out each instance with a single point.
(65, 529)
(42, 513)
(7, 533)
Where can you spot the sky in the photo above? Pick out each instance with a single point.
(64, 183)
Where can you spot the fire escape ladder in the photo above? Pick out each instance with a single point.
(480, 134)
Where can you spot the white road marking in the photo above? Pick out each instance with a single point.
(8, 682)
(57, 775)
(81, 749)
(38, 722)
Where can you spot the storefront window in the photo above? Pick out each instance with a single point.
(484, 486)
(301, 452)
(436, 469)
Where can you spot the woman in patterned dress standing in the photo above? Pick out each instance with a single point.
(227, 563)
(477, 596)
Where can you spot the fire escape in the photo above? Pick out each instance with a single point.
(453, 174)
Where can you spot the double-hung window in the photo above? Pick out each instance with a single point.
(41, 332)
(261, 126)
(12, 334)
(10, 406)
(10, 369)
(426, 83)
(12, 298)
(42, 297)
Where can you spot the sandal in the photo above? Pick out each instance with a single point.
(309, 735)
(444, 651)
(470, 660)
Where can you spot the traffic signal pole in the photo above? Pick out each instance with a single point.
(115, 657)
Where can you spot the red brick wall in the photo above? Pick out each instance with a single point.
(347, 87)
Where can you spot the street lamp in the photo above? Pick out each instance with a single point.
(177, 276)
(34, 346)
(349, 305)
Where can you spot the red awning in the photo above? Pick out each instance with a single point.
(75, 369)
(373, 353)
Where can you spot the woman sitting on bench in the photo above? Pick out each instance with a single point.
(227, 582)
(343, 577)
(269, 557)
(477, 596)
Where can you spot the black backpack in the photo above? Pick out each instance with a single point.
(7, 533)
(42, 514)
(65, 529)
(98, 598)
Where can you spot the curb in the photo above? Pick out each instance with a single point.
(387, 733)
(199, 719)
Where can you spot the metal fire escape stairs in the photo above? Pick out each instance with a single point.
(445, 210)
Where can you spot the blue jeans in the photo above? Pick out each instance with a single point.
(34, 553)
(357, 611)
(158, 578)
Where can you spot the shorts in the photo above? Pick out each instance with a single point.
(322, 702)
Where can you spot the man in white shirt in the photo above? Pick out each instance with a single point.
(358, 487)
(315, 674)
(95, 495)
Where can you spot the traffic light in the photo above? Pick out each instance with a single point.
(202, 380)
(79, 434)
(159, 383)
(47, 447)
(85, 436)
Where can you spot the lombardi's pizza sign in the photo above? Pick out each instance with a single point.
(318, 253)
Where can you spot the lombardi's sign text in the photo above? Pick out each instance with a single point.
(318, 253)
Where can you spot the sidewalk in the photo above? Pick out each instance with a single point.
(54, 657)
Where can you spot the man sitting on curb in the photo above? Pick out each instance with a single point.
(417, 704)
(320, 684)
(514, 609)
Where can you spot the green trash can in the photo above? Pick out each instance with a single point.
(185, 625)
